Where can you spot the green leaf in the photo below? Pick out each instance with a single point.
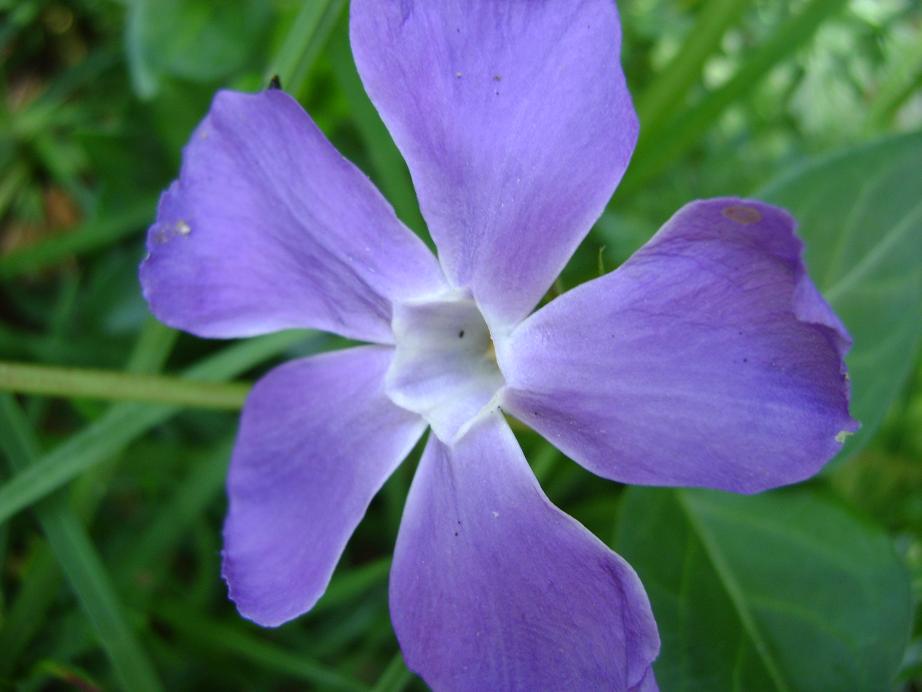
(197, 40)
(79, 560)
(783, 591)
(860, 214)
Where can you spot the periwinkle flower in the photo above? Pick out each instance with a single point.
(708, 359)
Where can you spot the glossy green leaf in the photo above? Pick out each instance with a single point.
(860, 214)
(784, 591)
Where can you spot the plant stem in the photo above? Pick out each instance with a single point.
(114, 385)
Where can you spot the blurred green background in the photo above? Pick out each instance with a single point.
(111, 480)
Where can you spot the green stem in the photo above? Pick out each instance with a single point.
(112, 385)
(667, 93)
(395, 677)
(898, 85)
(40, 584)
(686, 129)
(126, 422)
(302, 45)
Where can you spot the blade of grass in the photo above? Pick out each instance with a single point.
(153, 347)
(667, 93)
(299, 50)
(346, 585)
(200, 488)
(26, 615)
(91, 235)
(115, 385)
(686, 129)
(41, 583)
(125, 422)
(898, 85)
(395, 677)
(79, 560)
(205, 634)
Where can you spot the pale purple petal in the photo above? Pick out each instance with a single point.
(269, 227)
(516, 123)
(494, 588)
(318, 438)
(708, 359)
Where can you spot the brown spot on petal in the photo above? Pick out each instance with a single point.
(742, 214)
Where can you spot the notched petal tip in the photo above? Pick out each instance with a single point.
(709, 359)
(779, 236)
(253, 607)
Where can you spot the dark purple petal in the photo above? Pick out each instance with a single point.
(516, 123)
(708, 359)
(494, 588)
(318, 438)
(269, 227)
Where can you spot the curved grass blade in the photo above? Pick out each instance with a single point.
(126, 422)
(79, 560)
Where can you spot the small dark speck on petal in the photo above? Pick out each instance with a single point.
(456, 533)
(745, 360)
(461, 334)
(742, 214)
(497, 78)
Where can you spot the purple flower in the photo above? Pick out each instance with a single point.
(708, 359)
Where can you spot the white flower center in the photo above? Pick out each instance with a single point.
(444, 367)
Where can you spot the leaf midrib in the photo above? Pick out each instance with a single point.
(735, 593)
(880, 251)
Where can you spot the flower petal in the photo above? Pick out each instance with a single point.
(516, 123)
(708, 359)
(317, 440)
(494, 588)
(269, 227)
